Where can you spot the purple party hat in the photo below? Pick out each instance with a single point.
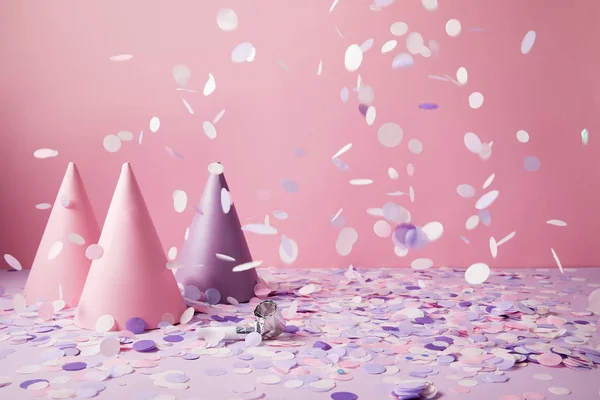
(215, 245)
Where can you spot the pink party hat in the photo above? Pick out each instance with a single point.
(131, 279)
(60, 265)
(217, 230)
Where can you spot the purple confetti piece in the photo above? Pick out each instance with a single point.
(135, 325)
(215, 371)
(173, 338)
(26, 384)
(321, 345)
(343, 396)
(289, 185)
(74, 366)
(213, 296)
(144, 345)
(428, 106)
(362, 108)
(374, 369)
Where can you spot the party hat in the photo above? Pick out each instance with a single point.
(215, 245)
(60, 266)
(131, 279)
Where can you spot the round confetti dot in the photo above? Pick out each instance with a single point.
(475, 100)
(353, 57)
(182, 75)
(45, 153)
(74, 366)
(421, 264)
(154, 124)
(472, 142)
(227, 19)
(382, 229)
(209, 130)
(399, 28)
(110, 347)
(462, 75)
(111, 143)
(62, 393)
(213, 296)
(522, 136)
(527, 42)
(532, 163)
(487, 200)
(94, 252)
(187, 315)
(533, 396)
(374, 368)
(13, 262)
(29, 369)
(105, 323)
(168, 318)
(144, 345)
(179, 200)
(135, 325)
(293, 384)
(415, 146)
(390, 134)
(559, 391)
(253, 339)
(414, 42)
(343, 396)
(215, 371)
(477, 273)
(268, 379)
(289, 185)
(242, 52)
(549, 359)
(216, 168)
(453, 27)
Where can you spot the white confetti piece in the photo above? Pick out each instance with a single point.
(111, 143)
(105, 323)
(421, 264)
(389, 46)
(488, 181)
(180, 200)
(393, 174)
(433, 230)
(43, 206)
(556, 222)
(472, 142)
(390, 134)
(347, 237)
(172, 253)
(332, 7)
(493, 247)
(227, 20)
(522, 136)
(13, 262)
(247, 266)
(557, 260)
(288, 250)
(154, 124)
(361, 182)
(399, 28)
(507, 238)
(216, 168)
(94, 252)
(477, 273)
(353, 57)
(475, 100)
(320, 68)
(487, 200)
(462, 76)
(343, 150)
(414, 43)
(453, 27)
(121, 57)
(187, 106)
(528, 42)
(209, 130)
(45, 153)
(76, 239)
(472, 222)
(210, 86)
(219, 116)
(181, 74)
(260, 229)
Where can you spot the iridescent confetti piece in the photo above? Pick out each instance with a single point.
(213, 296)
(403, 60)
(531, 163)
(585, 137)
(121, 57)
(557, 260)
(94, 252)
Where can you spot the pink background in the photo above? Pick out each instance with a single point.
(60, 90)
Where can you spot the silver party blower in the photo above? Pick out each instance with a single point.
(269, 323)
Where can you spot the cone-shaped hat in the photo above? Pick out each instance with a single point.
(60, 264)
(131, 279)
(217, 230)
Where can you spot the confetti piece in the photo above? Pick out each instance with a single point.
(558, 263)
(247, 266)
(13, 262)
(556, 222)
(45, 153)
(475, 100)
(477, 273)
(453, 27)
(105, 323)
(121, 57)
(111, 143)
(210, 86)
(227, 20)
(55, 250)
(528, 41)
(585, 137)
(94, 252)
(506, 238)
(179, 200)
(353, 58)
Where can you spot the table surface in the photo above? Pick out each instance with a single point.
(364, 332)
